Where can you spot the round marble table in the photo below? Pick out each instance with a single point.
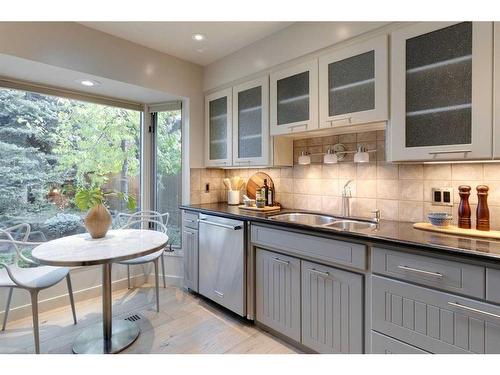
(111, 336)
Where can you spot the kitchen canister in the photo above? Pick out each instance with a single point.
(233, 197)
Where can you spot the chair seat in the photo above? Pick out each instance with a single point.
(38, 277)
(5, 280)
(144, 259)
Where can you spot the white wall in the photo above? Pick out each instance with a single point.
(297, 40)
(73, 46)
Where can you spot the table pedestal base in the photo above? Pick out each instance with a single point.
(91, 340)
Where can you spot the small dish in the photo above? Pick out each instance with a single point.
(440, 219)
(249, 202)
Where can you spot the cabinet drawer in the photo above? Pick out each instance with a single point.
(190, 220)
(277, 295)
(435, 321)
(493, 285)
(443, 274)
(324, 249)
(382, 344)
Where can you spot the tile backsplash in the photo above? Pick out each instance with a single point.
(400, 191)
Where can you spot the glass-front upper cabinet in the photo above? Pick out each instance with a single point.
(441, 92)
(251, 123)
(353, 84)
(218, 128)
(294, 99)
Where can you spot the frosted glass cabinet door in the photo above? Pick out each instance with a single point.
(294, 99)
(353, 84)
(218, 129)
(441, 92)
(251, 123)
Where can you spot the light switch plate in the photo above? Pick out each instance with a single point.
(442, 196)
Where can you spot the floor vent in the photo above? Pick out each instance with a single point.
(133, 318)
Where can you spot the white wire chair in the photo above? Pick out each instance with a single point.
(33, 279)
(152, 225)
(124, 219)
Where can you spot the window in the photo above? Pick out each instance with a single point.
(50, 147)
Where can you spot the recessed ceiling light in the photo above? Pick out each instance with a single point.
(199, 37)
(88, 82)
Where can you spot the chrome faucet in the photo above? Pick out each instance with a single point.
(346, 196)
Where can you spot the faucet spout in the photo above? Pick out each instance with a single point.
(346, 196)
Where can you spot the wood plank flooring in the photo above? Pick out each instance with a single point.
(186, 323)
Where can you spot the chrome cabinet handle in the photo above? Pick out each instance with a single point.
(423, 272)
(190, 221)
(243, 161)
(319, 272)
(278, 260)
(463, 307)
(349, 119)
(219, 293)
(235, 227)
(449, 152)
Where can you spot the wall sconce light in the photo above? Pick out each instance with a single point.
(330, 157)
(337, 153)
(362, 154)
(304, 158)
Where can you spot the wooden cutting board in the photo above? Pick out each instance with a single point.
(264, 209)
(456, 231)
(256, 181)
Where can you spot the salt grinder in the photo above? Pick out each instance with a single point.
(482, 213)
(464, 207)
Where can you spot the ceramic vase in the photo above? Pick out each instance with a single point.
(98, 221)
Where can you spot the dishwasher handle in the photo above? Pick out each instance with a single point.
(233, 227)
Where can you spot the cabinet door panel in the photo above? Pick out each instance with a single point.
(278, 292)
(443, 323)
(441, 92)
(382, 344)
(190, 242)
(218, 131)
(332, 316)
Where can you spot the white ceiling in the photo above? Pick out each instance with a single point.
(31, 71)
(175, 38)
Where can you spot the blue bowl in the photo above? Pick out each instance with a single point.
(440, 219)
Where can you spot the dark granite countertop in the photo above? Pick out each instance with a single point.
(387, 232)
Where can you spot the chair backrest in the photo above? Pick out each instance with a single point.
(18, 232)
(145, 223)
(13, 249)
(123, 218)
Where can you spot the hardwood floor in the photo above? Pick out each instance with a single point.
(186, 323)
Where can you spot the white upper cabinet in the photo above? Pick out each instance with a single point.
(441, 92)
(251, 123)
(294, 99)
(218, 128)
(353, 84)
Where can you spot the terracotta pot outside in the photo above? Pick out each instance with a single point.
(98, 221)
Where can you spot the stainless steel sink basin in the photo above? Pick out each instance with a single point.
(351, 225)
(305, 218)
(318, 220)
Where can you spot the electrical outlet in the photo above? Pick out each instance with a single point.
(207, 188)
(442, 196)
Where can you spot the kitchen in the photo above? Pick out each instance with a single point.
(253, 187)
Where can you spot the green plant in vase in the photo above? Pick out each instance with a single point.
(98, 219)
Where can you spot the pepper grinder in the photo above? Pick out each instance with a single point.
(482, 213)
(464, 207)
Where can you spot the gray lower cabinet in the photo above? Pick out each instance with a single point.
(382, 344)
(434, 321)
(332, 309)
(190, 244)
(278, 292)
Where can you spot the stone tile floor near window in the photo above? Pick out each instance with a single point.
(185, 324)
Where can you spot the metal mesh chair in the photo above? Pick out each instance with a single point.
(33, 278)
(152, 224)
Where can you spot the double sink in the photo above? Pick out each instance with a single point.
(326, 221)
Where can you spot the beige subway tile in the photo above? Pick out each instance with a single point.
(352, 186)
(411, 171)
(411, 211)
(307, 186)
(473, 192)
(286, 200)
(467, 172)
(205, 197)
(217, 173)
(380, 135)
(331, 205)
(437, 171)
(195, 179)
(317, 141)
(347, 170)
(495, 217)
(387, 189)
(366, 189)
(491, 171)
(286, 185)
(363, 207)
(330, 140)
(330, 187)
(493, 192)
(300, 142)
(330, 171)
(380, 154)
(366, 171)
(195, 197)
(215, 183)
(286, 172)
(387, 171)
(307, 202)
(411, 190)
(347, 138)
(388, 209)
(366, 136)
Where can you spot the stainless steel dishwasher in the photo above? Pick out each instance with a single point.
(222, 262)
